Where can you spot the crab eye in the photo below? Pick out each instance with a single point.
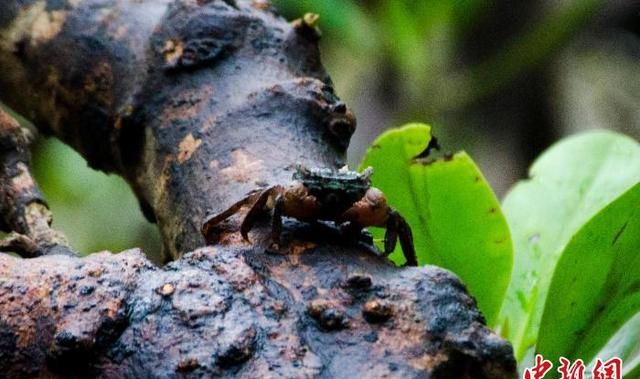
(374, 196)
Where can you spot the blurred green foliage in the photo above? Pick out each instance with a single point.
(96, 211)
(422, 41)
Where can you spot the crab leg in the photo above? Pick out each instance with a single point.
(276, 221)
(391, 233)
(406, 240)
(397, 227)
(213, 220)
(253, 214)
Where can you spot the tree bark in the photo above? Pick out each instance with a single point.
(195, 103)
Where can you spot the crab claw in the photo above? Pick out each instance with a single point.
(209, 224)
(390, 237)
(254, 213)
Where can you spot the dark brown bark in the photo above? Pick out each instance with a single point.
(196, 103)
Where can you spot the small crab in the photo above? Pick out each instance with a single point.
(344, 197)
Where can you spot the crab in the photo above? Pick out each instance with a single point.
(341, 196)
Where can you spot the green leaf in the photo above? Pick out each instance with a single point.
(569, 184)
(456, 219)
(624, 345)
(595, 287)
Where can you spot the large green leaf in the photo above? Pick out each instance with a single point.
(569, 184)
(624, 345)
(595, 289)
(456, 219)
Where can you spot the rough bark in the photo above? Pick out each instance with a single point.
(195, 103)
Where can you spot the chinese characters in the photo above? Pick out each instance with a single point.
(609, 369)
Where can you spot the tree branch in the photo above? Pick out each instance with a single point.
(23, 210)
(196, 103)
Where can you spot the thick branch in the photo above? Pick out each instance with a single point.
(323, 312)
(195, 103)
